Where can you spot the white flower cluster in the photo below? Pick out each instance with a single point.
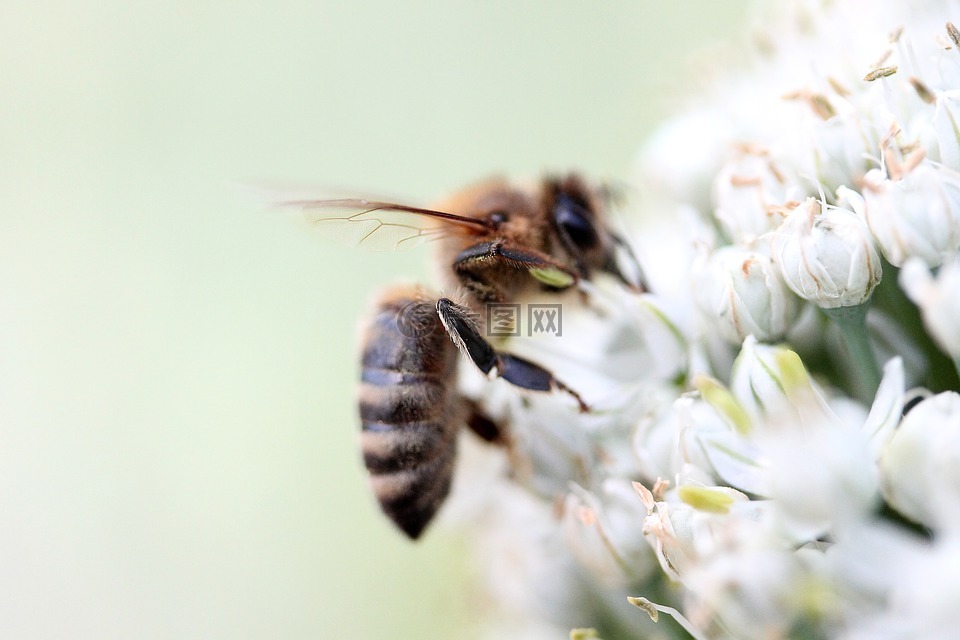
(749, 470)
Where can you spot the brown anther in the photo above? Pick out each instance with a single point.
(816, 101)
(882, 72)
(899, 165)
(776, 173)
(745, 181)
(659, 488)
(922, 90)
(751, 148)
(954, 34)
(779, 211)
(837, 86)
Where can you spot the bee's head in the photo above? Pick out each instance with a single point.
(576, 215)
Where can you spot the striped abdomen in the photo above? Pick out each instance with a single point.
(408, 409)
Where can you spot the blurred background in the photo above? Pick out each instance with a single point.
(178, 453)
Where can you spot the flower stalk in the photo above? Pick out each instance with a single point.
(852, 322)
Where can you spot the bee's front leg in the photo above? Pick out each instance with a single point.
(474, 264)
(516, 370)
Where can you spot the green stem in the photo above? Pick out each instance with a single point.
(853, 328)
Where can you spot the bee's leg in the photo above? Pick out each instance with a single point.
(516, 370)
(491, 431)
(472, 265)
(486, 428)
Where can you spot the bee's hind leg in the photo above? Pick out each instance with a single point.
(485, 427)
(499, 434)
(516, 370)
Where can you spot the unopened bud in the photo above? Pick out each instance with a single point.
(826, 256)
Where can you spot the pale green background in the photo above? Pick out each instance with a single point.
(177, 438)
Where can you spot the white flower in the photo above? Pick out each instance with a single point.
(667, 161)
(921, 463)
(946, 123)
(774, 495)
(821, 475)
(749, 192)
(924, 594)
(600, 529)
(915, 215)
(725, 551)
(938, 299)
(654, 444)
(667, 531)
(743, 293)
(757, 382)
(526, 565)
(748, 583)
(876, 576)
(817, 463)
(884, 414)
(842, 145)
(826, 256)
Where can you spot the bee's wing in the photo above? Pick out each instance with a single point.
(381, 226)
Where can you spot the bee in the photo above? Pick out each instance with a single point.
(495, 242)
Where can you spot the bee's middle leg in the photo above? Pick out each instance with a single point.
(517, 371)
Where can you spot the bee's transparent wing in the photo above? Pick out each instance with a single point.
(381, 226)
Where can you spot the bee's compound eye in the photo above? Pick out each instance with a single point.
(571, 218)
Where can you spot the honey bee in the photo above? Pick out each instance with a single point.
(496, 242)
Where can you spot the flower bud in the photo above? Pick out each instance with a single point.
(744, 293)
(667, 162)
(746, 191)
(938, 299)
(917, 215)
(826, 256)
(921, 463)
(841, 145)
